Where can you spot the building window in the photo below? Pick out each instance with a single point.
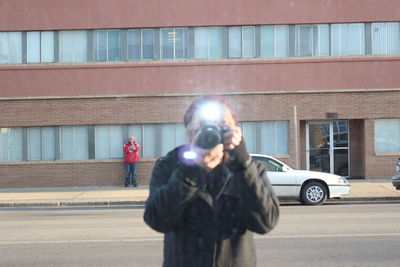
(234, 42)
(48, 143)
(304, 41)
(171, 136)
(387, 136)
(40, 47)
(73, 46)
(107, 45)
(265, 41)
(148, 44)
(10, 47)
(34, 143)
(108, 141)
(385, 38)
(266, 137)
(74, 143)
(77, 142)
(149, 141)
(141, 44)
(274, 41)
(11, 144)
(241, 42)
(249, 130)
(134, 44)
(249, 41)
(347, 39)
(208, 43)
(159, 139)
(174, 43)
(41, 143)
(321, 40)
(312, 40)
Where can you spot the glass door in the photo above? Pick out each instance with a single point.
(328, 147)
(319, 147)
(340, 146)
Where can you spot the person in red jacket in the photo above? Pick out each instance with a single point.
(131, 157)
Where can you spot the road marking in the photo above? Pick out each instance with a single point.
(325, 236)
(76, 241)
(161, 239)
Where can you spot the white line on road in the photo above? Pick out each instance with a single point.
(324, 236)
(160, 239)
(76, 241)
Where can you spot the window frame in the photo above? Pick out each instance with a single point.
(40, 54)
(107, 49)
(385, 50)
(73, 49)
(389, 135)
(344, 38)
(174, 43)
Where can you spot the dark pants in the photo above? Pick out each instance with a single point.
(130, 173)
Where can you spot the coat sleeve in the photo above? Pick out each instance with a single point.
(171, 189)
(258, 203)
(126, 149)
(137, 147)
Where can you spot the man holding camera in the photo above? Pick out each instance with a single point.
(208, 196)
(131, 157)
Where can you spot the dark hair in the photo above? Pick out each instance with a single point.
(196, 104)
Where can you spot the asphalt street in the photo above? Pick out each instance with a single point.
(336, 234)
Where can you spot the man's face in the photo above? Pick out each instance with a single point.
(131, 139)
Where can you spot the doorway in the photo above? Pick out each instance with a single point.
(328, 146)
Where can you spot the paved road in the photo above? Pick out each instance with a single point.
(340, 234)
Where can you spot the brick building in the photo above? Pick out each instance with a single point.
(315, 83)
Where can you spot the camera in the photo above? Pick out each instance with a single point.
(210, 135)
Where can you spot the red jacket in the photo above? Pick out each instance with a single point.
(131, 152)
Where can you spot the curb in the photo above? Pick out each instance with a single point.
(142, 202)
(365, 199)
(71, 204)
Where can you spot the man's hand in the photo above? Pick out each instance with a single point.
(232, 137)
(208, 158)
(211, 158)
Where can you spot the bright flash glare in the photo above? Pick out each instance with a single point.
(189, 155)
(210, 112)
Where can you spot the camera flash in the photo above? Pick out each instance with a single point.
(189, 155)
(210, 112)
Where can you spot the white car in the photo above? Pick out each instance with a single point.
(309, 187)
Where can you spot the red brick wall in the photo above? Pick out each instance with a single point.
(69, 174)
(170, 109)
(92, 111)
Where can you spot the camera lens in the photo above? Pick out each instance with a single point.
(209, 137)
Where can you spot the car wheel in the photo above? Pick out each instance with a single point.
(313, 193)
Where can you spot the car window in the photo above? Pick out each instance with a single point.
(270, 164)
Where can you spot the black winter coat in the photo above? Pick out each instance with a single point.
(209, 224)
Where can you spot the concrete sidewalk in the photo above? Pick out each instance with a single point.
(361, 190)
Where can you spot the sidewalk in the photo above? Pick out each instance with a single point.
(361, 190)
